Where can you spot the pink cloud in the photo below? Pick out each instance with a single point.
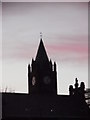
(76, 51)
(66, 47)
(73, 48)
(69, 44)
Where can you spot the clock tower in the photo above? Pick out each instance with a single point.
(42, 74)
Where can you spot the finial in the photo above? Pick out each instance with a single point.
(76, 83)
(40, 35)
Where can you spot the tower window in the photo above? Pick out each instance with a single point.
(33, 80)
(30, 69)
(52, 67)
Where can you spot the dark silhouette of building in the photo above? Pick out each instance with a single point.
(42, 100)
(42, 75)
(87, 96)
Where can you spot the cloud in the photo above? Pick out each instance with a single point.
(69, 48)
(73, 48)
(65, 34)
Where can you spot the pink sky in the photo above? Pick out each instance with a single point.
(65, 35)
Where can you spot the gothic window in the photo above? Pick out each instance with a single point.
(33, 80)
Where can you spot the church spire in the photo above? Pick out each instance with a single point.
(41, 53)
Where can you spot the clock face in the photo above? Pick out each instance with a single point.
(47, 80)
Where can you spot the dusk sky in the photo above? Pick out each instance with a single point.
(65, 36)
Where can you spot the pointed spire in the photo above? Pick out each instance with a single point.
(50, 64)
(41, 53)
(50, 61)
(54, 66)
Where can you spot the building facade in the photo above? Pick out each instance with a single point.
(42, 100)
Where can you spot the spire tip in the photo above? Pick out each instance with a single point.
(40, 35)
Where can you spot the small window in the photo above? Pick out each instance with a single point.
(33, 80)
(52, 67)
